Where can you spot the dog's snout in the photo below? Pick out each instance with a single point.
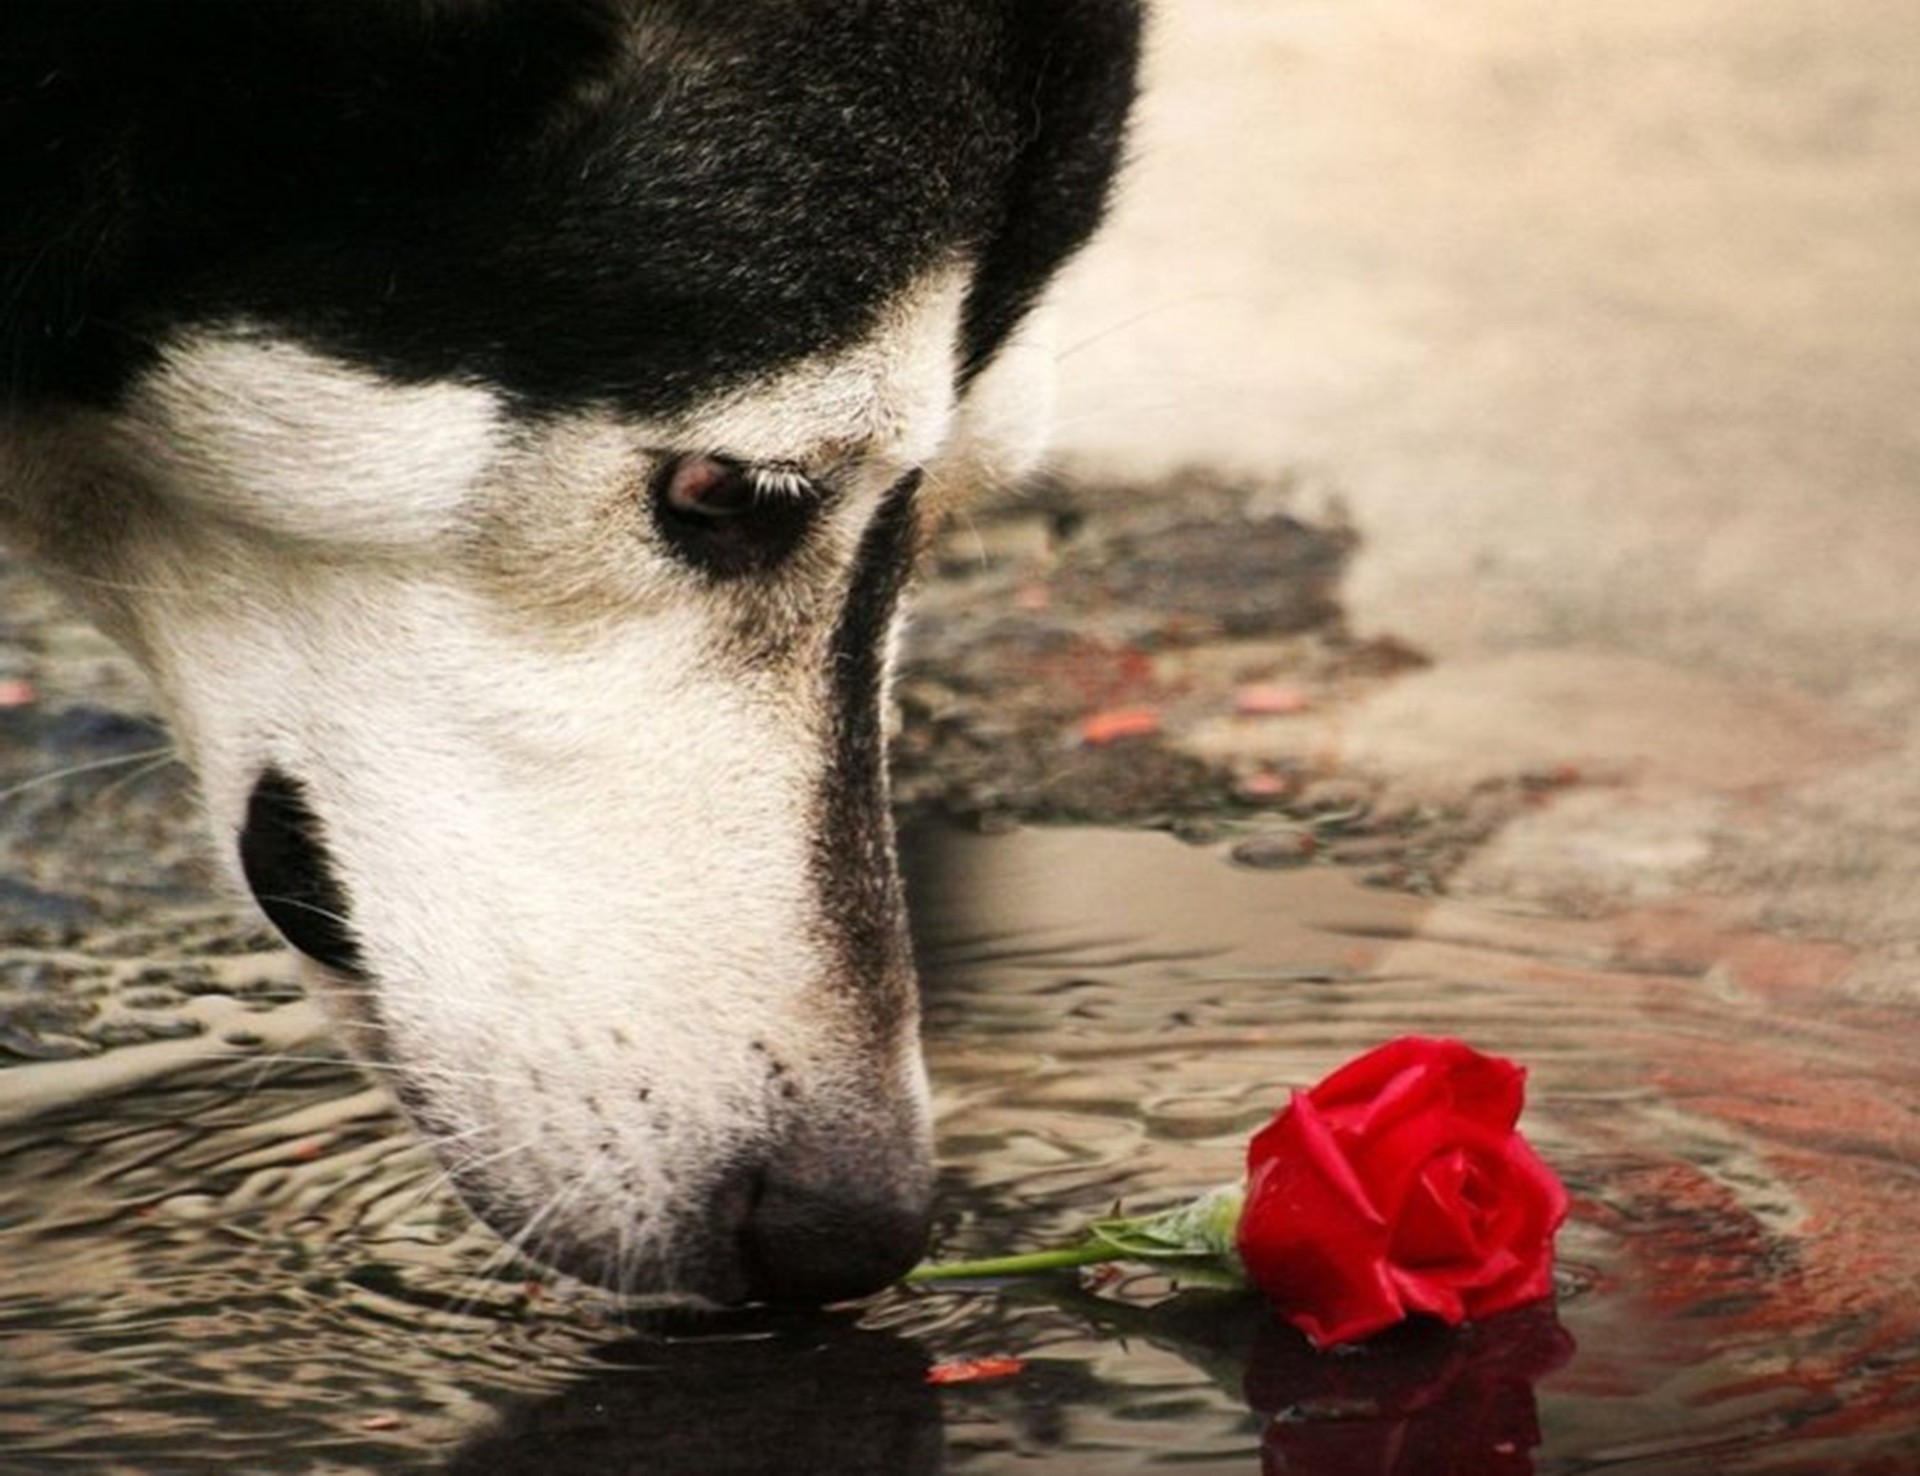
(283, 854)
(816, 1230)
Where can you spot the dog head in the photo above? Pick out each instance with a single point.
(503, 431)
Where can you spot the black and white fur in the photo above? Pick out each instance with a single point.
(502, 431)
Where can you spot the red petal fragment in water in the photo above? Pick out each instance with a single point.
(1120, 722)
(974, 1370)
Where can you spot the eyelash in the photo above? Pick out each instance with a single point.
(779, 480)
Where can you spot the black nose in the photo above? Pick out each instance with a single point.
(829, 1228)
(283, 854)
(805, 1248)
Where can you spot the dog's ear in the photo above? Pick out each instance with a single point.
(1073, 75)
(134, 129)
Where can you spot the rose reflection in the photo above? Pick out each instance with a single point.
(1421, 1401)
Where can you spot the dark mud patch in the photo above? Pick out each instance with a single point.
(1066, 643)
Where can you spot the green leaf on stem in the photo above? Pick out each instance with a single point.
(1199, 1235)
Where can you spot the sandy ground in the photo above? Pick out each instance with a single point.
(1600, 324)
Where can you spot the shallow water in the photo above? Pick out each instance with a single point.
(245, 1260)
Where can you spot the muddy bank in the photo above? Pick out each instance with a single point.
(1075, 654)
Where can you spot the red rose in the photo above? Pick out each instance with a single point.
(1399, 1186)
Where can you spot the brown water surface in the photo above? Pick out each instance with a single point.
(221, 1245)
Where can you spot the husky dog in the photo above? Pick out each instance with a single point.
(502, 429)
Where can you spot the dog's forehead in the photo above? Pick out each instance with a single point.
(575, 201)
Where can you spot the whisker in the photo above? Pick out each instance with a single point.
(444, 1178)
(516, 1247)
(283, 1058)
(471, 1162)
(1100, 335)
(303, 905)
(127, 781)
(90, 766)
(1118, 409)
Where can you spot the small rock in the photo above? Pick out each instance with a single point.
(1275, 850)
(1336, 795)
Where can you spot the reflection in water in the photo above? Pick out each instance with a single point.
(1425, 1401)
(812, 1395)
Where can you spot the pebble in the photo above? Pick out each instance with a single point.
(1275, 850)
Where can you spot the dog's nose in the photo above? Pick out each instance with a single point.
(818, 1231)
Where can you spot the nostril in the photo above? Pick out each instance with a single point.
(805, 1244)
(284, 858)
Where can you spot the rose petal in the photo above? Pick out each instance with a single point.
(1420, 1292)
(1389, 1163)
(1414, 1097)
(1435, 1226)
(1483, 1089)
(1102, 728)
(1270, 699)
(1296, 1155)
(1310, 1237)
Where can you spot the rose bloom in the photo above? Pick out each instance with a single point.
(1399, 1185)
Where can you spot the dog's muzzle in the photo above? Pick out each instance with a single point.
(829, 1202)
(795, 1225)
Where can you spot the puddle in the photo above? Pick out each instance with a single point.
(1113, 1013)
(221, 1247)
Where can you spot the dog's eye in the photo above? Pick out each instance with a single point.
(728, 519)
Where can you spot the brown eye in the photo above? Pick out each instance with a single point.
(706, 487)
(727, 519)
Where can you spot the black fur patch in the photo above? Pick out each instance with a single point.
(1074, 61)
(854, 865)
(283, 854)
(635, 201)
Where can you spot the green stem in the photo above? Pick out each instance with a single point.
(1091, 1253)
